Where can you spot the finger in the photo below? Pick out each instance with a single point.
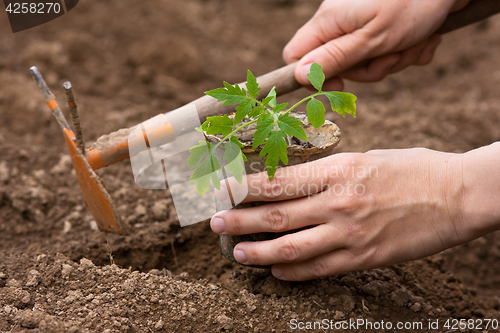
(335, 262)
(378, 68)
(419, 54)
(334, 84)
(290, 248)
(304, 40)
(336, 55)
(375, 70)
(272, 217)
(288, 183)
(408, 57)
(428, 52)
(321, 28)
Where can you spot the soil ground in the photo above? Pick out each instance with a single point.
(129, 60)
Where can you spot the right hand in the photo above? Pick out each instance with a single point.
(342, 33)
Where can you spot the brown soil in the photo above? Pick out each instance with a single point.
(129, 60)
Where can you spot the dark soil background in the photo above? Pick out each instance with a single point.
(129, 60)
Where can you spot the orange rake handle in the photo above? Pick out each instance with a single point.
(113, 148)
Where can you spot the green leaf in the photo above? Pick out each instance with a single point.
(272, 127)
(204, 126)
(230, 94)
(292, 126)
(255, 112)
(280, 107)
(234, 159)
(342, 102)
(316, 76)
(231, 150)
(315, 112)
(270, 99)
(236, 141)
(252, 85)
(275, 149)
(207, 170)
(264, 127)
(219, 125)
(198, 153)
(204, 173)
(243, 110)
(235, 90)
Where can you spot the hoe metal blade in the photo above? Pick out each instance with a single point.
(94, 193)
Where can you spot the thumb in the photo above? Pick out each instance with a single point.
(336, 55)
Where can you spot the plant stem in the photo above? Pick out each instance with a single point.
(234, 131)
(255, 120)
(303, 100)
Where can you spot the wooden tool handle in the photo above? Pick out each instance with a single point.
(475, 11)
(102, 154)
(284, 78)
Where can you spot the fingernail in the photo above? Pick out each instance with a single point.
(306, 69)
(278, 273)
(239, 254)
(217, 224)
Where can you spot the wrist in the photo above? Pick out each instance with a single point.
(480, 208)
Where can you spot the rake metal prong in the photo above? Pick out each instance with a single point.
(50, 98)
(75, 117)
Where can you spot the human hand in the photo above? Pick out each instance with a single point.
(342, 33)
(371, 210)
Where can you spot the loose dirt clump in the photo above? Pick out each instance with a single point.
(129, 60)
(60, 295)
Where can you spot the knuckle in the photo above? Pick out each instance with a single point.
(355, 159)
(338, 57)
(289, 250)
(343, 166)
(276, 218)
(369, 258)
(319, 268)
(347, 203)
(356, 236)
(325, 10)
(375, 38)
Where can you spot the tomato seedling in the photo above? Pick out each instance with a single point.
(274, 127)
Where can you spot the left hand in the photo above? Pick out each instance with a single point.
(368, 210)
